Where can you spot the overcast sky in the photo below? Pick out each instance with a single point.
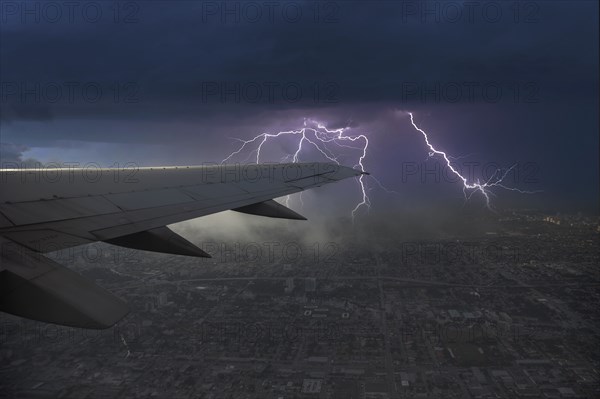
(155, 82)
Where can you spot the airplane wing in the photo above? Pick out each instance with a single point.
(44, 210)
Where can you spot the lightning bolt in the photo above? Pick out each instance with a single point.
(318, 136)
(470, 188)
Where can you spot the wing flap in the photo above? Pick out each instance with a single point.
(156, 217)
(46, 240)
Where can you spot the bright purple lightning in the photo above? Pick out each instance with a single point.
(317, 135)
(470, 188)
(321, 138)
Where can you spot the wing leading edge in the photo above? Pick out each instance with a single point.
(47, 210)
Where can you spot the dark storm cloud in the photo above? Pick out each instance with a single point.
(198, 73)
(181, 52)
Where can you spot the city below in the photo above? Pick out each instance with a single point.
(510, 312)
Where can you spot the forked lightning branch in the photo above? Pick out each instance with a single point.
(332, 144)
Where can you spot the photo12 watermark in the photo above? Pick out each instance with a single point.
(487, 92)
(270, 92)
(68, 92)
(71, 12)
(469, 12)
(270, 12)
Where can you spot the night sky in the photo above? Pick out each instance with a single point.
(153, 82)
